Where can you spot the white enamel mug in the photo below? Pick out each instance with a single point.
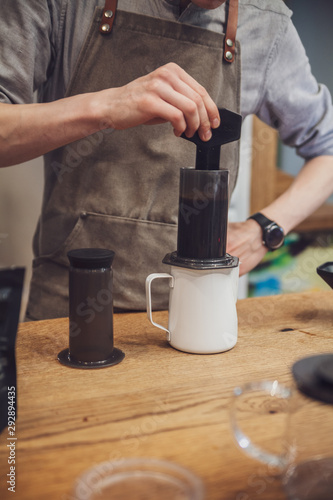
(202, 308)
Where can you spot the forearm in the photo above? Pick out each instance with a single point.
(310, 189)
(168, 94)
(31, 130)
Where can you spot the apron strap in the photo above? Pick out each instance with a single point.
(109, 13)
(230, 35)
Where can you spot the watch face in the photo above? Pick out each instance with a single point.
(274, 236)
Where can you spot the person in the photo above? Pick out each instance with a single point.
(102, 75)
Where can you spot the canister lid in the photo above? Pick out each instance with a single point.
(91, 258)
(314, 377)
(173, 259)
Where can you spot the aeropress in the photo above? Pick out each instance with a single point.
(203, 278)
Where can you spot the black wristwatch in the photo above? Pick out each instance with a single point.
(272, 233)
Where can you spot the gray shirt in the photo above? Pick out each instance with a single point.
(40, 41)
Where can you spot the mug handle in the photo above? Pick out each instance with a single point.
(149, 280)
(236, 282)
(273, 389)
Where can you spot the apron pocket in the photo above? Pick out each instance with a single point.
(139, 247)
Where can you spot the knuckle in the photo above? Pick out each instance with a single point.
(163, 72)
(153, 85)
(202, 91)
(146, 103)
(178, 119)
(191, 108)
(197, 98)
(172, 66)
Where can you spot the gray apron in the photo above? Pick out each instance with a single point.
(118, 189)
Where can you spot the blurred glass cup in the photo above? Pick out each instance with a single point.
(289, 430)
(138, 479)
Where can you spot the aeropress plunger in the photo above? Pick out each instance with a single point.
(203, 202)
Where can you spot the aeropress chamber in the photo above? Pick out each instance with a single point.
(203, 278)
(204, 202)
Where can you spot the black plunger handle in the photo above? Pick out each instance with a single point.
(208, 158)
(208, 153)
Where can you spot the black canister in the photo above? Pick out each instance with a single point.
(90, 310)
(203, 213)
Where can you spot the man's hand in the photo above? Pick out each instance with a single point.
(288, 210)
(168, 94)
(245, 242)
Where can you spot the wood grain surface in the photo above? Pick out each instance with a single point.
(158, 402)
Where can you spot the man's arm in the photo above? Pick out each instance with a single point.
(168, 94)
(310, 189)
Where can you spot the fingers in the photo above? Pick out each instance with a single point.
(245, 242)
(195, 112)
(194, 108)
(249, 261)
(206, 108)
(168, 94)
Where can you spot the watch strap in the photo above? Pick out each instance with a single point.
(268, 228)
(262, 220)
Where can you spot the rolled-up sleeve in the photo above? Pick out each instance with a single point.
(292, 100)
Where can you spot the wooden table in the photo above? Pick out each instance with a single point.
(158, 402)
